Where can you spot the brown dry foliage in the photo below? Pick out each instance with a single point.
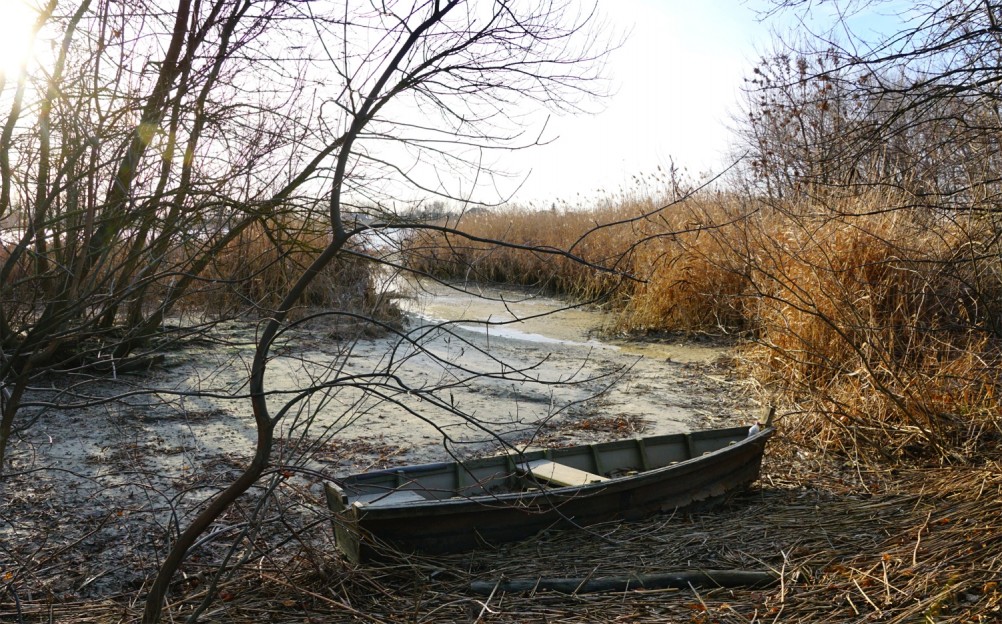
(249, 276)
(871, 322)
(453, 256)
(257, 268)
(882, 322)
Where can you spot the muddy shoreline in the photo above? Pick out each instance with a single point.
(92, 492)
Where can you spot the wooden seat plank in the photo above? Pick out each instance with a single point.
(559, 474)
(393, 497)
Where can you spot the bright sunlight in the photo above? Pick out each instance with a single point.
(15, 35)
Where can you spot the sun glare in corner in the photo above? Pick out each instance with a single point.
(17, 18)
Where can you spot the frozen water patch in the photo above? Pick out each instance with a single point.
(508, 333)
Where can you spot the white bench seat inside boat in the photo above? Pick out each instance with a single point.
(559, 475)
(393, 497)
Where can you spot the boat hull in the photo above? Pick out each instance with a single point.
(466, 522)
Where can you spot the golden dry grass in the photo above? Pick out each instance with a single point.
(879, 326)
(256, 269)
(454, 256)
(868, 321)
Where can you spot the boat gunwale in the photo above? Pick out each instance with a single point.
(547, 495)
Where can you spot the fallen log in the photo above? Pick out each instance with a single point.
(683, 579)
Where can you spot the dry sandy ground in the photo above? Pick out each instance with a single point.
(92, 491)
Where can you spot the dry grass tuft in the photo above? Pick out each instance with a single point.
(692, 277)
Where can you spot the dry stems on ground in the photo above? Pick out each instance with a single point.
(852, 545)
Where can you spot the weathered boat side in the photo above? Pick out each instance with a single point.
(452, 507)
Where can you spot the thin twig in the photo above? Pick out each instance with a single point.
(918, 538)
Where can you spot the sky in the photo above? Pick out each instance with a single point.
(676, 88)
(676, 83)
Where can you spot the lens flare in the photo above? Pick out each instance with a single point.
(18, 18)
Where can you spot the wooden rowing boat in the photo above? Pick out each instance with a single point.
(457, 506)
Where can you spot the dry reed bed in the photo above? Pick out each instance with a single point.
(256, 269)
(884, 322)
(851, 544)
(250, 274)
(561, 241)
(873, 323)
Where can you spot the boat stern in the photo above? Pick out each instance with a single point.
(347, 533)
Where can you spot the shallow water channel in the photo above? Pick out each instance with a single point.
(616, 386)
(525, 316)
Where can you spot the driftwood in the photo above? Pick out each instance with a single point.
(683, 578)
